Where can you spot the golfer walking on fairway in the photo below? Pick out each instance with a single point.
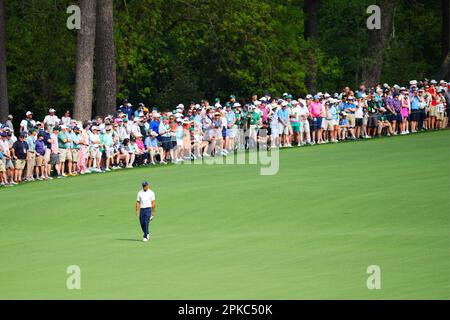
(145, 208)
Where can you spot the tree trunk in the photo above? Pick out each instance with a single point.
(105, 62)
(377, 44)
(84, 77)
(4, 107)
(446, 37)
(311, 22)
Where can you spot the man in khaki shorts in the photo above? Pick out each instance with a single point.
(76, 138)
(31, 162)
(40, 153)
(3, 177)
(94, 152)
(20, 155)
(64, 144)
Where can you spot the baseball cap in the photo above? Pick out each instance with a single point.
(51, 110)
(10, 116)
(28, 113)
(145, 183)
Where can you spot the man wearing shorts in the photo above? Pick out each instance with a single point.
(76, 140)
(31, 162)
(315, 109)
(20, 155)
(107, 142)
(3, 176)
(94, 149)
(40, 153)
(295, 122)
(65, 154)
(7, 158)
(350, 109)
(231, 128)
(54, 153)
(283, 119)
(303, 121)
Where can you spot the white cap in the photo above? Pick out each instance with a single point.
(433, 81)
(309, 97)
(284, 103)
(63, 127)
(153, 133)
(326, 95)
(28, 113)
(263, 99)
(257, 103)
(181, 106)
(294, 102)
(51, 110)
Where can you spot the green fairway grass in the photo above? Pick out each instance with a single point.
(226, 232)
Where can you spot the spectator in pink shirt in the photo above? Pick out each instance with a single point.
(315, 110)
(54, 149)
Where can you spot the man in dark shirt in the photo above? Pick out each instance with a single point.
(20, 155)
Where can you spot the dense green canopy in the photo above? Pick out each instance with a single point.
(173, 51)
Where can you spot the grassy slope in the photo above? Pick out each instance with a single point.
(226, 232)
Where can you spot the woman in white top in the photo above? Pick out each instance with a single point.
(66, 119)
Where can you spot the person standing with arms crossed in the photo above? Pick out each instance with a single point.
(145, 208)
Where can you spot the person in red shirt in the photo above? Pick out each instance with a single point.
(432, 113)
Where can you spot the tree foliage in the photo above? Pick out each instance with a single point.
(174, 51)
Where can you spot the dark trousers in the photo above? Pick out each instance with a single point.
(144, 219)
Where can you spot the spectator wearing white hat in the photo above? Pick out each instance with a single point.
(305, 134)
(51, 119)
(151, 145)
(440, 108)
(65, 147)
(95, 156)
(28, 123)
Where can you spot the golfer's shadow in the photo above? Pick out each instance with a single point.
(129, 240)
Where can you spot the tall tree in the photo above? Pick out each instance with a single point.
(105, 62)
(4, 107)
(311, 33)
(84, 77)
(445, 69)
(378, 39)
